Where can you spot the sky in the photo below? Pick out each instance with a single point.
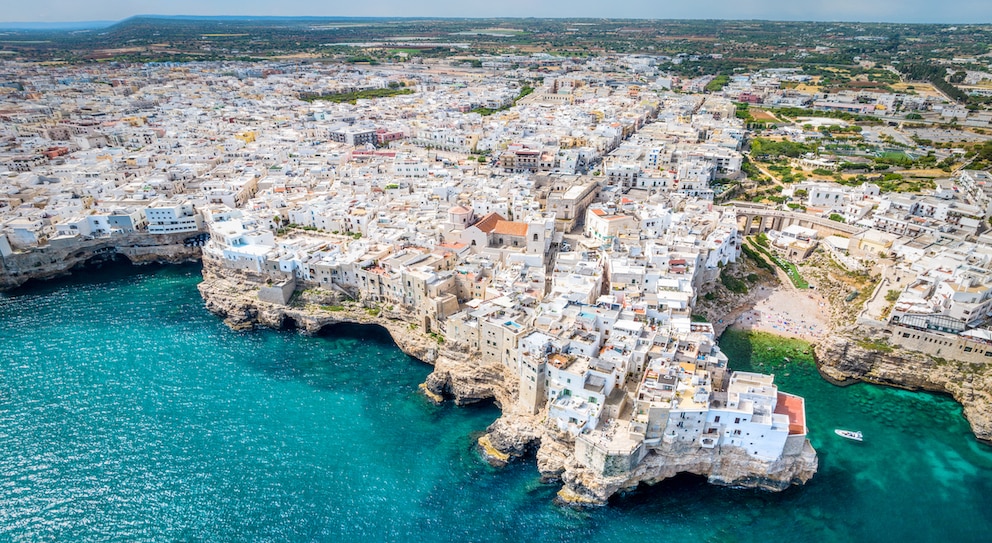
(911, 11)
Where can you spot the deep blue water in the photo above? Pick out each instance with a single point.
(129, 413)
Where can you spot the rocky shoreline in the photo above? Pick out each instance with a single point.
(842, 360)
(461, 376)
(58, 260)
(464, 379)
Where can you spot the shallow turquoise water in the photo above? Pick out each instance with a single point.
(127, 412)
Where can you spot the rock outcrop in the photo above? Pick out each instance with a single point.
(842, 359)
(60, 258)
(516, 435)
(510, 436)
(731, 467)
(465, 378)
(237, 302)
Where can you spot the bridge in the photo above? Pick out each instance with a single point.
(755, 218)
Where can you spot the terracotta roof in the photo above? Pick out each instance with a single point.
(458, 210)
(795, 408)
(511, 228)
(487, 223)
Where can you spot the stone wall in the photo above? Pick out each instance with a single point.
(940, 345)
(279, 294)
(605, 462)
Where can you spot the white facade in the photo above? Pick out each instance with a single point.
(173, 218)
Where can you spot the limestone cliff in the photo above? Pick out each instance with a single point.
(511, 436)
(466, 378)
(842, 359)
(514, 435)
(237, 302)
(60, 257)
(458, 374)
(729, 467)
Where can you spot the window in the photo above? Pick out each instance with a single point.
(716, 419)
(737, 421)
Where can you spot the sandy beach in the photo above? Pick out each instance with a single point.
(788, 312)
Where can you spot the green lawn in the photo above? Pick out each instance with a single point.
(352, 97)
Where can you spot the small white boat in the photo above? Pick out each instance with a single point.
(856, 436)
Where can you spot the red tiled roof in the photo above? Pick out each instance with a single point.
(510, 228)
(487, 223)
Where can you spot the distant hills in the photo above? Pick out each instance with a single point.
(66, 25)
(98, 25)
(700, 47)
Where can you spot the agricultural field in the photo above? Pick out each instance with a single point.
(762, 115)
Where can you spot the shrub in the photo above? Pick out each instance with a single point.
(732, 283)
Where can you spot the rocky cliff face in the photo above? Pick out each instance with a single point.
(55, 260)
(237, 302)
(458, 374)
(730, 467)
(466, 378)
(841, 359)
(514, 435)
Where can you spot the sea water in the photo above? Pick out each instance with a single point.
(130, 413)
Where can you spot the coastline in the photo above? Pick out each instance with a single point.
(461, 376)
(331, 383)
(64, 258)
(786, 312)
(843, 356)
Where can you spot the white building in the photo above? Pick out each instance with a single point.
(168, 218)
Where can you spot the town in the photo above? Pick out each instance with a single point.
(559, 217)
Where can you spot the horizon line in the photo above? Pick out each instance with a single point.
(111, 22)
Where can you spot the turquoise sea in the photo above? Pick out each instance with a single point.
(129, 413)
